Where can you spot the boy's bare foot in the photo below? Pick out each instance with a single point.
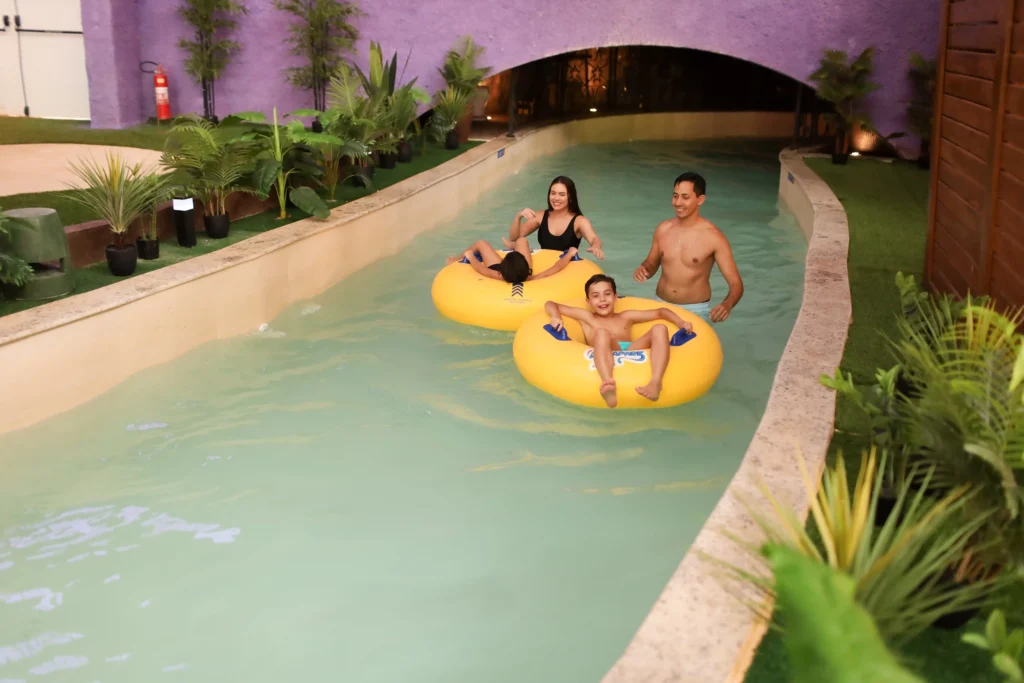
(608, 393)
(452, 259)
(509, 244)
(651, 391)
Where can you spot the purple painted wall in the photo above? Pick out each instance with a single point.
(112, 61)
(787, 37)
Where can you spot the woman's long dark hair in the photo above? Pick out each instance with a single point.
(570, 189)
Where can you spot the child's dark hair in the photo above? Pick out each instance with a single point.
(514, 268)
(600, 277)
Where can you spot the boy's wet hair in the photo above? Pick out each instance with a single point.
(513, 268)
(600, 277)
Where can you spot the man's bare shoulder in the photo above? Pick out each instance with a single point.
(663, 227)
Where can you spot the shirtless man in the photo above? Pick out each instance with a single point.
(686, 247)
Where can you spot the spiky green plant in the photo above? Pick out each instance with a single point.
(897, 569)
(117, 192)
(13, 270)
(160, 191)
(212, 161)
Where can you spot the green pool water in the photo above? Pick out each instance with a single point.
(366, 491)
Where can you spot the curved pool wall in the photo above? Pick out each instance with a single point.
(59, 354)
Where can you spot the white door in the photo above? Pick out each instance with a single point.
(12, 97)
(53, 58)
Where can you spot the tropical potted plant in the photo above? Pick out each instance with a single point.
(208, 52)
(404, 104)
(396, 105)
(14, 271)
(451, 106)
(845, 84)
(461, 72)
(896, 568)
(119, 194)
(321, 35)
(328, 153)
(148, 241)
(213, 162)
(361, 118)
(922, 74)
(283, 151)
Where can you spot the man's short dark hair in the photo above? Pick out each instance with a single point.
(600, 277)
(700, 186)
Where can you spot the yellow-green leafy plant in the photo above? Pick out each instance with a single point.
(116, 191)
(899, 569)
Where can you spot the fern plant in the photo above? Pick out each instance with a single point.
(212, 161)
(13, 270)
(322, 34)
(208, 52)
(968, 422)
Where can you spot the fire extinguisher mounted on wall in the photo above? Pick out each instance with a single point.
(161, 90)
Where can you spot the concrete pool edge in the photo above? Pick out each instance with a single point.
(698, 630)
(64, 353)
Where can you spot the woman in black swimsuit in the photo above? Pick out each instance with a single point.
(561, 226)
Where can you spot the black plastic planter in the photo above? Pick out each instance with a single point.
(122, 260)
(218, 226)
(404, 152)
(149, 250)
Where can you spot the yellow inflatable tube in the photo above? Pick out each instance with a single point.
(462, 294)
(562, 364)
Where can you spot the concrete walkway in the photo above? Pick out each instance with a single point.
(44, 168)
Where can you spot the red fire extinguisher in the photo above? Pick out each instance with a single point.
(163, 97)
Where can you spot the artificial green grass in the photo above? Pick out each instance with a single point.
(97, 275)
(71, 213)
(887, 209)
(23, 131)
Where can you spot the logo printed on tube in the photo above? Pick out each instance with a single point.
(182, 204)
(620, 357)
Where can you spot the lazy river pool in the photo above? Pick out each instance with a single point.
(367, 491)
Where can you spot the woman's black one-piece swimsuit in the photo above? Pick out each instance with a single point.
(560, 242)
